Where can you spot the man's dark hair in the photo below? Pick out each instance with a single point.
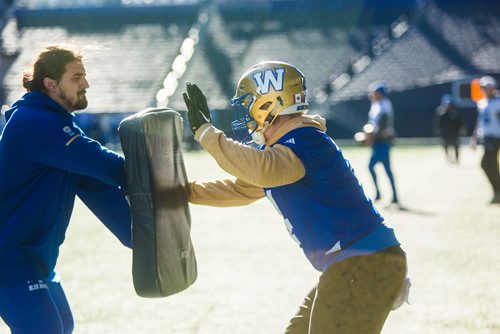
(51, 62)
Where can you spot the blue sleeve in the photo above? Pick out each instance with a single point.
(109, 205)
(56, 141)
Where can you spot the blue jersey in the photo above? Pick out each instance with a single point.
(45, 161)
(327, 211)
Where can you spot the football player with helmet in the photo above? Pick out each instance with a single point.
(303, 173)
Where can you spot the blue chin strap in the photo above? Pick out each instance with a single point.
(243, 119)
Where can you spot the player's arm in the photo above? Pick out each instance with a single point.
(381, 130)
(61, 144)
(274, 166)
(223, 193)
(473, 137)
(109, 204)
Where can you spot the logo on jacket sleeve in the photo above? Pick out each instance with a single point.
(68, 130)
(72, 133)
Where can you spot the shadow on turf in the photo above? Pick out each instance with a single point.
(403, 208)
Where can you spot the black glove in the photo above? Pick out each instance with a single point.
(198, 113)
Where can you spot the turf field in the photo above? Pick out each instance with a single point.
(252, 276)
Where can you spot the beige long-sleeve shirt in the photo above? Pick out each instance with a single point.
(253, 169)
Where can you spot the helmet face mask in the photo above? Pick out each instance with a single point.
(264, 92)
(244, 125)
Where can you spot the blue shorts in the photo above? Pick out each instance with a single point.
(36, 306)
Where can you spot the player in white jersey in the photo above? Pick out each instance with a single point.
(488, 130)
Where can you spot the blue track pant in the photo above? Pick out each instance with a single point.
(36, 306)
(380, 153)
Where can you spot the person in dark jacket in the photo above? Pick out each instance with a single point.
(45, 161)
(449, 124)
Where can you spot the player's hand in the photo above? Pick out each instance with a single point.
(196, 103)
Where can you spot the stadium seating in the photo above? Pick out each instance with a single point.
(317, 46)
(125, 63)
(102, 3)
(441, 46)
(341, 46)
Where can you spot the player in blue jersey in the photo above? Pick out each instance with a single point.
(382, 133)
(45, 161)
(301, 170)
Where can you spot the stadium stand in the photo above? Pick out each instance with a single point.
(125, 62)
(240, 34)
(127, 54)
(419, 47)
(445, 42)
(440, 47)
(122, 75)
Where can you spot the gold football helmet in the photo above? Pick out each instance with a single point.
(265, 91)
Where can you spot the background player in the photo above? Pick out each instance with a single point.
(381, 134)
(488, 130)
(448, 124)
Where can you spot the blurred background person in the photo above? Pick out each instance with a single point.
(448, 124)
(488, 131)
(380, 129)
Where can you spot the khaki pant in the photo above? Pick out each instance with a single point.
(354, 296)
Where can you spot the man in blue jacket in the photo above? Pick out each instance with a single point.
(45, 161)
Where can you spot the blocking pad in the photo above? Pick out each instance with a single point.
(163, 260)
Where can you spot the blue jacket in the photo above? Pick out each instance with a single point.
(45, 161)
(327, 211)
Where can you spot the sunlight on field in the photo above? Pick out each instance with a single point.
(252, 276)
